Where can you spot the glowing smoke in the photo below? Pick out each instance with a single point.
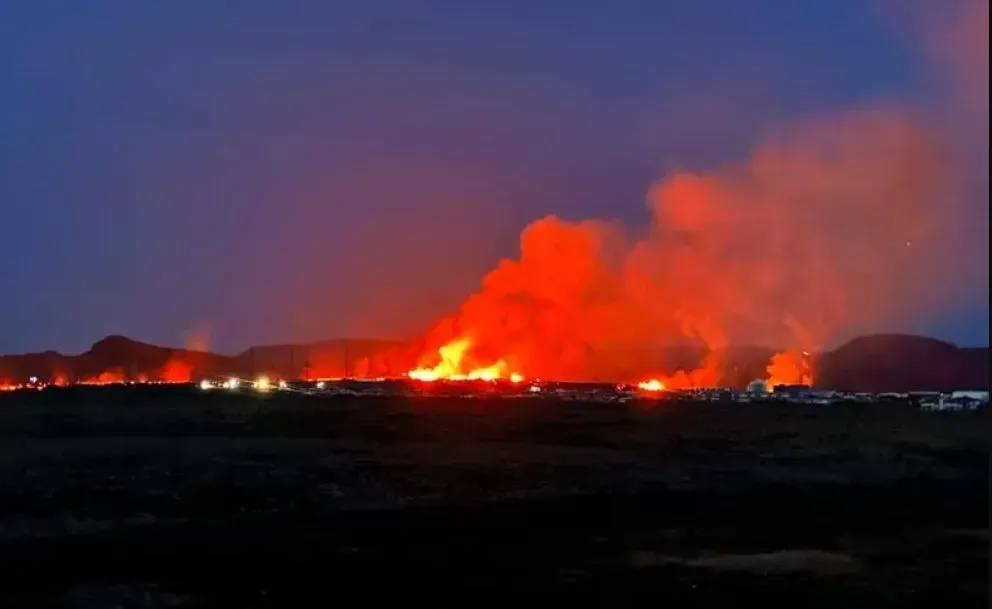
(828, 227)
(833, 226)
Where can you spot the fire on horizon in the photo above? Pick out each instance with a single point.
(830, 225)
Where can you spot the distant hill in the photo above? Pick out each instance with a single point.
(898, 362)
(116, 358)
(329, 358)
(876, 363)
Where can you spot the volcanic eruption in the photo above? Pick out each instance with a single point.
(825, 228)
(833, 225)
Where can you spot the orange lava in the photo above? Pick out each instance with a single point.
(457, 364)
(760, 252)
(653, 385)
(789, 368)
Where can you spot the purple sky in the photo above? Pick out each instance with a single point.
(263, 171)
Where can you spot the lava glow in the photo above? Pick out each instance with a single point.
(453, 366)
(598, 300)
(789, 368)
(653, 385)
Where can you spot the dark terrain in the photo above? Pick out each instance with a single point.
(168, 497)
(876, 363)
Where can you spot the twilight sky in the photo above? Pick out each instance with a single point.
(260, 171)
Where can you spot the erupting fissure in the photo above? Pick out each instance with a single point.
(799, 244)
(843, 224)
(453, 366)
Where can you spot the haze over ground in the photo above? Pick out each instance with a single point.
(269, 173)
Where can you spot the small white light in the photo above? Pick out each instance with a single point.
(205, 384)
(283, 384)
(320, 384)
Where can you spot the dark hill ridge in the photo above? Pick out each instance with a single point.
(898, 362)
(118, 357)
(875, 363)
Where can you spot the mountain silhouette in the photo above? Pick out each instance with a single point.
(873, 363)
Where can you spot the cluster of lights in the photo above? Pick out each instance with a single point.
(33, 383)
(263, 384)
(260, 384)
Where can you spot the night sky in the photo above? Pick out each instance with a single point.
(261, 171)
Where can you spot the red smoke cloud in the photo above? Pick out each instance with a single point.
(953, 36)
(833, 226)
(828, 227)
(176, 370)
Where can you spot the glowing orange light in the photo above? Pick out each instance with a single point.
(452, 367)
(651, 385)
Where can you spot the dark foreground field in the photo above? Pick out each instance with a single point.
(169, 498)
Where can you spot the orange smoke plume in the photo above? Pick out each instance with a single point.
(789, 368)
(857, 222)
(106, 377)
(198, 339)
(176, 370)
(827, 229)
(454, 365)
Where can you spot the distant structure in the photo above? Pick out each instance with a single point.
(757, 386)
(793, 391)
(956, 400)
(979, 395)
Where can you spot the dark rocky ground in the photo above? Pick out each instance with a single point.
(164, 497)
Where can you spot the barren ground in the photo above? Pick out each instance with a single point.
(165, 497)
